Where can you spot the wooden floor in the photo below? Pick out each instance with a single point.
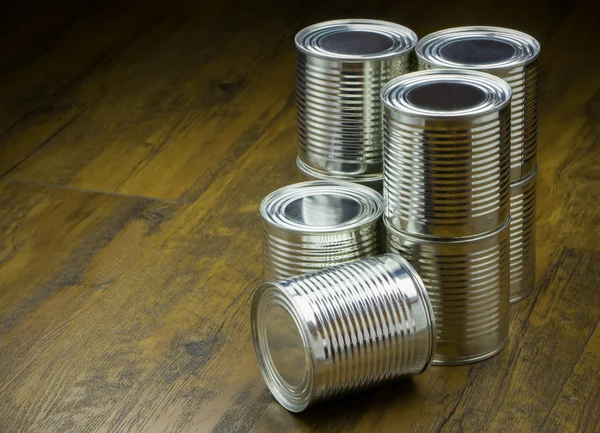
(137, 139)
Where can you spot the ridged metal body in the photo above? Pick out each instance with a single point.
(313, 225)
(446, 153)
(341, 67)
(522, 237)
(468, 283)
(508, 54)
(352, 326)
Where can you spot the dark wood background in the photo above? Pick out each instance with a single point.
(137, 139)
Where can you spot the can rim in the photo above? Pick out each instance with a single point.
(369, 200)
(364, 179)
(294, 399)
(527, 48)
(428, 306)
(498, 93)
(446, 241)
(403, 39)
(524, 180)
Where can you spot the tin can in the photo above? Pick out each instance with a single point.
(313, 225)
(467, 280)
(508, 54)
(446, 153)
(522, 237)
(326, 334)
(341, 67)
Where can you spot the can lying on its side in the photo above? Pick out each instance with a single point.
(313, 225)
(467, 282)
(508, 54)
(341, 329)
(522, 237)
(446, 153)
(341, 67)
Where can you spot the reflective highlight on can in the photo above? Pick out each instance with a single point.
(326, 334)
(522, 237)
(508, 54)
(313, 225)
(341, 67)
(446, 153)
(468, 283)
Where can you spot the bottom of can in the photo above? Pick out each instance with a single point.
(471, 359)
(374, 181)
(521, 296)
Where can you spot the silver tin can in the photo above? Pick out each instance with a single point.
(326, 334)
(313, 225)
(467, 282)
(522, 237)
(341, 67)
(508, 54)
(446, 153)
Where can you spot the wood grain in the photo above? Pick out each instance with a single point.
(136, 142)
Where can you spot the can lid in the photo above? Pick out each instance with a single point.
(355, 40)
(322, 206)
(483, 48)
(442, 93)
(282, 343)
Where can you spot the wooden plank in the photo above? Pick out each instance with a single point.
(144, 127)
(577, 408)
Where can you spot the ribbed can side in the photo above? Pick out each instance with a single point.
(339, 113)
(288, 254)
(446, 177)
(524, 114)
(522, 238)
(468, 284)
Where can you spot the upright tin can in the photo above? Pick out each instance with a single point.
(508, 54)
(341, 67)
(446, 140)
(322, 335)
(313, 225)
(467, 280)
(522, 237)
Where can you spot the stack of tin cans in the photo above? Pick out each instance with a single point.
(512, 56)
(453, 149)
(446, 197)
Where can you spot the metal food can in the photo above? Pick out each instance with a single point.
(326, 334)
(446, 140)
(522, 237)
(341, 67)
(313, 225)
(467, 280)
(508, 54)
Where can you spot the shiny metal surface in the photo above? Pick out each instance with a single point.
(522, 237)
(375, 183)
(446, 153)
(341, 67)
(313, 225)
(508, 54)
(326, 334)
(467, 282)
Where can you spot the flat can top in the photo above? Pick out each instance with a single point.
(322, 207)
(480, 48)
(446, 93)
(355, 40)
